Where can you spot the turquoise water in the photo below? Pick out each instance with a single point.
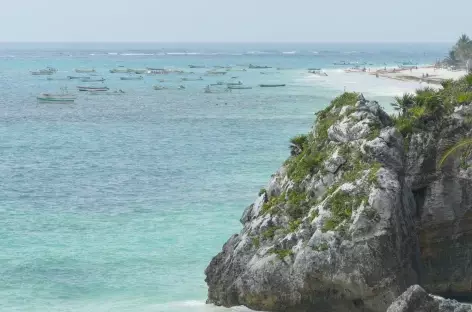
(118, 203)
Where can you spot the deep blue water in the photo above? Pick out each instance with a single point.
(118, 203)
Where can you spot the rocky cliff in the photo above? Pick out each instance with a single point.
(357, 214)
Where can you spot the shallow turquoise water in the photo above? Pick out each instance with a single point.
(118, 203)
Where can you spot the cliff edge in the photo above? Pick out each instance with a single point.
(359, 212)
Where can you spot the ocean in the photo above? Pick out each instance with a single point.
(118, 202)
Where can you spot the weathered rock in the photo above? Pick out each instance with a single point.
(444, 200)
(416, 299)
(360, 262)
(370, 215)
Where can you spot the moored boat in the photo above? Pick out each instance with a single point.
(238, 87)
(84, 70)
(78, 77)
(62, 97)
(192, 79)
(118, 70)
(96, 89)
(196, 66)
(258, 67)
(234, 83)
(215, 73)
(271, 85)
(132, 78)
(156, 87)
(93, 80)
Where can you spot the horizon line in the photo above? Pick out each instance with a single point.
(221, 42)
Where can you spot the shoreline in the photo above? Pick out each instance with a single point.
(384, 81)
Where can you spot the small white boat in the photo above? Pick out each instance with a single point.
(116, 92)
(47, 71)
(140, 71)
(84, 70)
(181, 87)
(132, 78)
(234, 83)
(192, 79)
(58, 79)
(63, 97)
(215, 73)
(118, 70)
(41, 72)
(78, 77)
(275, 85)
(96, 89)
(159, 87)
(93, 80)
(239, 87)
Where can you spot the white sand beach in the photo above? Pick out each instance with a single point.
(387, 81)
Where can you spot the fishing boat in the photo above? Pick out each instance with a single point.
(139, 71)
(115, 92)
(62, 97)
(219, 83)
(93, 80)
(238, 87)
(159, 87)
(96, 89)
(258, 67)
(132, 78)
(84, 70)
(58, 78)
(153, 68)
(118, 70)
(318, 72)
(78, 77)
(234, 83)
(271, 85)
(181, 87)
(47, 71)
(215, 73)
(41, 72)
(192, 79)
(196, 66)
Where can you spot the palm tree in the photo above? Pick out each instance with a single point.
(462, 144)
(463, 48)
(451, 59)
(403, 103)
(297, 144)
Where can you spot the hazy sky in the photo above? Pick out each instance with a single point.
(234, 20)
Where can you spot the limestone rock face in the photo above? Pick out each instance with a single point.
(415, 299)
(444, 206)
(355, 219)
(350, 246)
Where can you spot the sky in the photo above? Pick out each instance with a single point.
(234, 21)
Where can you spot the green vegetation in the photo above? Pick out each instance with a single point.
(372, 178)
(270, 232)
(271, 205)
(297, 144)
(281, 253)
(458, 146)
(340, 205)
(262, 191)
(314, 214)
(429, 107)
(321, 247)
(293, 225)
(256, 242)
(460, 53)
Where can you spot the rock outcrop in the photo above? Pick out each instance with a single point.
(415, 299)
(444, 205)
(356, 215)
